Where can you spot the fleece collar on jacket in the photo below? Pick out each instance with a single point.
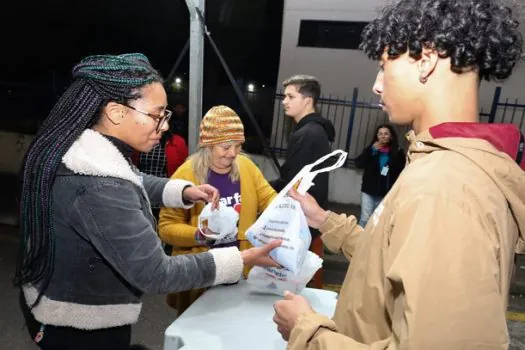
(93, 154)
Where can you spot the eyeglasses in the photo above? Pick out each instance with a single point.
(161, 119)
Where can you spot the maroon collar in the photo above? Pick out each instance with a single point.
(505, 138)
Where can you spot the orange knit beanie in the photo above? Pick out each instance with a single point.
(220, 125)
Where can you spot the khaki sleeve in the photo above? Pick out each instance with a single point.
(442, 281)
(318, 332)
(341, 233)
(520, 246)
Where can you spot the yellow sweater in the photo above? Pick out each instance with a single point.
(177, 226)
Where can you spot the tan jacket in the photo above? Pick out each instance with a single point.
(433, 266)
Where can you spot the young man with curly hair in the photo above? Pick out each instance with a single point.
(432, 268)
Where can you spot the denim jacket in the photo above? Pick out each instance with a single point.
(107, 252)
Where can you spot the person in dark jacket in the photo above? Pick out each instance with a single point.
(310, 137)
(382, 162)
(89, 248)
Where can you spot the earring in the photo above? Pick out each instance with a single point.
(423, 79)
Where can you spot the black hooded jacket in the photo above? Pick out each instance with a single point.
(310, 140)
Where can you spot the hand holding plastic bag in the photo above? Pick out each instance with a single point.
(277, 281)
(221, 222)
(284, 219)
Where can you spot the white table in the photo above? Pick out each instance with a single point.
(234, 318)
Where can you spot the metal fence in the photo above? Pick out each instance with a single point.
(511, 112)
(356, 121)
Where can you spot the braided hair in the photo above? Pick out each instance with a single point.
(97, 80)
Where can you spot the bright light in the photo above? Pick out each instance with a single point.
(264, 86)
(178, 80)
(251, 87)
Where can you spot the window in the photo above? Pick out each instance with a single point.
(331, 34)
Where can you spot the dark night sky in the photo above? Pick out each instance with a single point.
(40, 37)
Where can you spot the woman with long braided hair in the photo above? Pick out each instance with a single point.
(89, 247)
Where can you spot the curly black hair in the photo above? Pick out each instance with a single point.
(480, 34)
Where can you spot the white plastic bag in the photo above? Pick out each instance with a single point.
(222, 221)
(277, 281)
(284, 219)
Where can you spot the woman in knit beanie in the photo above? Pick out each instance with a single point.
(220, 163)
